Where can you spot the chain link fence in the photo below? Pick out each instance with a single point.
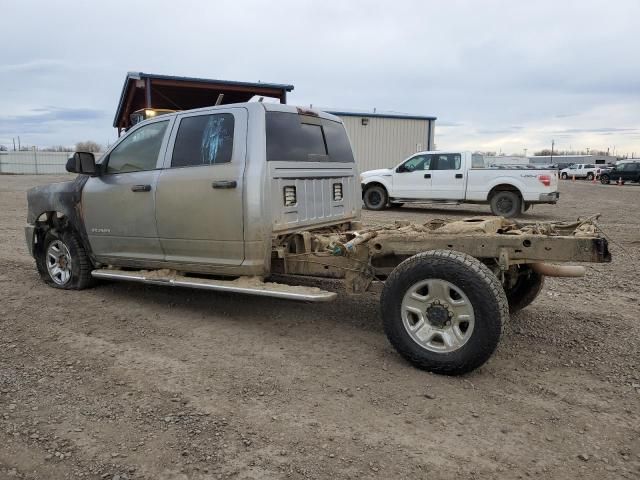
(34, 162)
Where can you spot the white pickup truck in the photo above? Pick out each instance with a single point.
(448, 177)
(580, 170)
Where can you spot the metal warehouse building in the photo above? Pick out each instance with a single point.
(381, 140)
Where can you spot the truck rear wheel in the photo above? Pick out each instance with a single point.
(604, 179)
(375, 197)
(525, 290)
(444, 311)
(505, 203)
(62, 261)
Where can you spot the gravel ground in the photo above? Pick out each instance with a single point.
(126, 381)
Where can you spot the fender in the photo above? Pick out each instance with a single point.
(64, 198)
(386, 180)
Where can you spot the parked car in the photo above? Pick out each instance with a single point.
(579, 170)
(625, 172)
(221, 198)
(447, 177)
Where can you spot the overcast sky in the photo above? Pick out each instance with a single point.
(499, 75)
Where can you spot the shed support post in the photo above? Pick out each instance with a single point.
(147, 92)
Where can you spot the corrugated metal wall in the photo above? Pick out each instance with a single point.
(385, 142)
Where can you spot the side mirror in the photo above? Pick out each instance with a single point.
(82, 162)
(400, 169)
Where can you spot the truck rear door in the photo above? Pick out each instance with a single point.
(199, 198)
(447, 176)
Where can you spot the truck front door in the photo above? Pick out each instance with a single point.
(199, 202)
(412, 179)
(118, 206)
(447, 176)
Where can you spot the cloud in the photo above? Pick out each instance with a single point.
(549, 67)
(47, 119)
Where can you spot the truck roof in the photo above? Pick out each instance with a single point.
(269, 107)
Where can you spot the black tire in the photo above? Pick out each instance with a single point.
(604, 179)
(589, 176)
(81, 266)
(505, 203)
(396, 204)
(525, 290)
(564, 175)
(375, 197)
(476, 281)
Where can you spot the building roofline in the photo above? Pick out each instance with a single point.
(381, 115)
(152, 76)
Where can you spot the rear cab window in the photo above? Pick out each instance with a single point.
(293, 137)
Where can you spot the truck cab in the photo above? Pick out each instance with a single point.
(206, 189)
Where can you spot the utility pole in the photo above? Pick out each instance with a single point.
(19, 146)
(552, 145)
(14, 143)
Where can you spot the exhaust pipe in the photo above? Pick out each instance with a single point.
(549, 270)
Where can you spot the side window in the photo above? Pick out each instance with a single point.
(139, 151)
(204, 140)
(449, 161)
(419, 162)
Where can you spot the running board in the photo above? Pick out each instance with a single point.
(247, 285)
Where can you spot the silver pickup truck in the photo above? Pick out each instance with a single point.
(231, 198)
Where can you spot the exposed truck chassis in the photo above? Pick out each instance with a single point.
(365, 257)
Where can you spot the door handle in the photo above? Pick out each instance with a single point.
(427, 175)
(458, 175)
(141, 188)
(224, 184)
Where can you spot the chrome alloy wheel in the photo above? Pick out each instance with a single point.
(58, 262)
(437, 315)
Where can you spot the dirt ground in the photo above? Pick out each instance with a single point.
(125, 381)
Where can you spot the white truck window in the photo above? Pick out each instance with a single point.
(204, 140)
(419, 162)
(448, 161)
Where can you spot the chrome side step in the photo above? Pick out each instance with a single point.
(247, 285)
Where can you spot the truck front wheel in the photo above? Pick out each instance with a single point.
(375, 197)
(62, 261)
(505, 203)
(444, 311)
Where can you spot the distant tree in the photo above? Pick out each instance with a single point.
(3, 148)
(88, 146)
(57, 148)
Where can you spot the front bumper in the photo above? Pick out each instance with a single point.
(549, 197)
(29, 234)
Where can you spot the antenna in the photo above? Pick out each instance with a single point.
(219, 99)
(260, 99)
